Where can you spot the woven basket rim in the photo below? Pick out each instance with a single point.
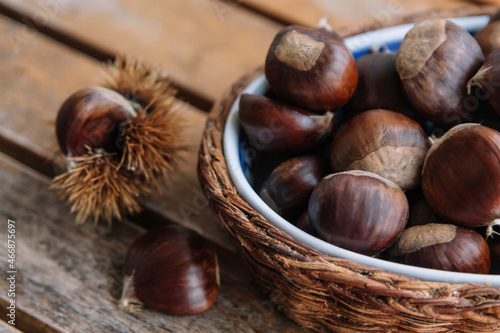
(281, 263)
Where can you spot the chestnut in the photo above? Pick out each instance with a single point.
(435, 61)
(488, 37)
(310, 69)
(288, 188)
(358, 211)
(487, 80)
(379, 87)
(384, 142)
(443, 247)
(422, 213)
(461, 175)
(171, 269)
(304, 224)
(91, 118)
(276, 126)
(120, 141)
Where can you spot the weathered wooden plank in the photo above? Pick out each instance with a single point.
(37, 75)
(347, 13)
(7, 328)
(69, 277)
(205, 45)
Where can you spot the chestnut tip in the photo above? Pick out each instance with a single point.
(310, 69)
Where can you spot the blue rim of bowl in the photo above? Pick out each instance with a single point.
(239, 166)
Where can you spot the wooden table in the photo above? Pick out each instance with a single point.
(69, 277)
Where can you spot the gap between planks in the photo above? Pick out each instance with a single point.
(184, 93)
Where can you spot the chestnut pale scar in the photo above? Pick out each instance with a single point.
(415, 238)
(298, 50)
(418, 46)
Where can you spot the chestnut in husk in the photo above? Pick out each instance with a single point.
(358, 211)
(444, 247)
(461, 176)
(488, 80)
(288, 188)
(119, 141)
(310, 69)
(435, 61)
(384, 142)
(171, 269)
(276, 126)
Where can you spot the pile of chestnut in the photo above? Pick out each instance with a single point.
(393, 155)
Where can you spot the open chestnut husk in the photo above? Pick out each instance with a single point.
(443, 247)
(276, 126)
(310, 69)
(171, 269)
(384, 142)
(120, 140)
(487, 80)
(379, 87)
(435, 61)
(288, 188)
(461, 174)
(358, 211)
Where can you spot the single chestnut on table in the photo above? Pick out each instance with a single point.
(487, 79)
(358, 211)
(461, 176)
(384, 142)
(435, 61)
(379, 87)
(276, 126)
(120, 140)
(444, 247)
(172, 269)
(288, 188)
(311, 69)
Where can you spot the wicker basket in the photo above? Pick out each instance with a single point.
(326, 293)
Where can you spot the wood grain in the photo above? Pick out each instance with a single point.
(204, 44)
(347, 13)
(70, 277)
(38, 76)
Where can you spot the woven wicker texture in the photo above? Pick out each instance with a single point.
(325, 293)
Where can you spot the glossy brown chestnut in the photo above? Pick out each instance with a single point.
(171, 269)
(379, 87)
(461, 176)
(358, 211)
(276, 126)
(488, 80)
(384, 142)
(91, 117)
(288, 188)
(435, 61)
(444, 247)
(310, 69)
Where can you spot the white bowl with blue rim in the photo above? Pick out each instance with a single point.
(240, 163)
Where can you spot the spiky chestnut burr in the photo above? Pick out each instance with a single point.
(120, 141)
